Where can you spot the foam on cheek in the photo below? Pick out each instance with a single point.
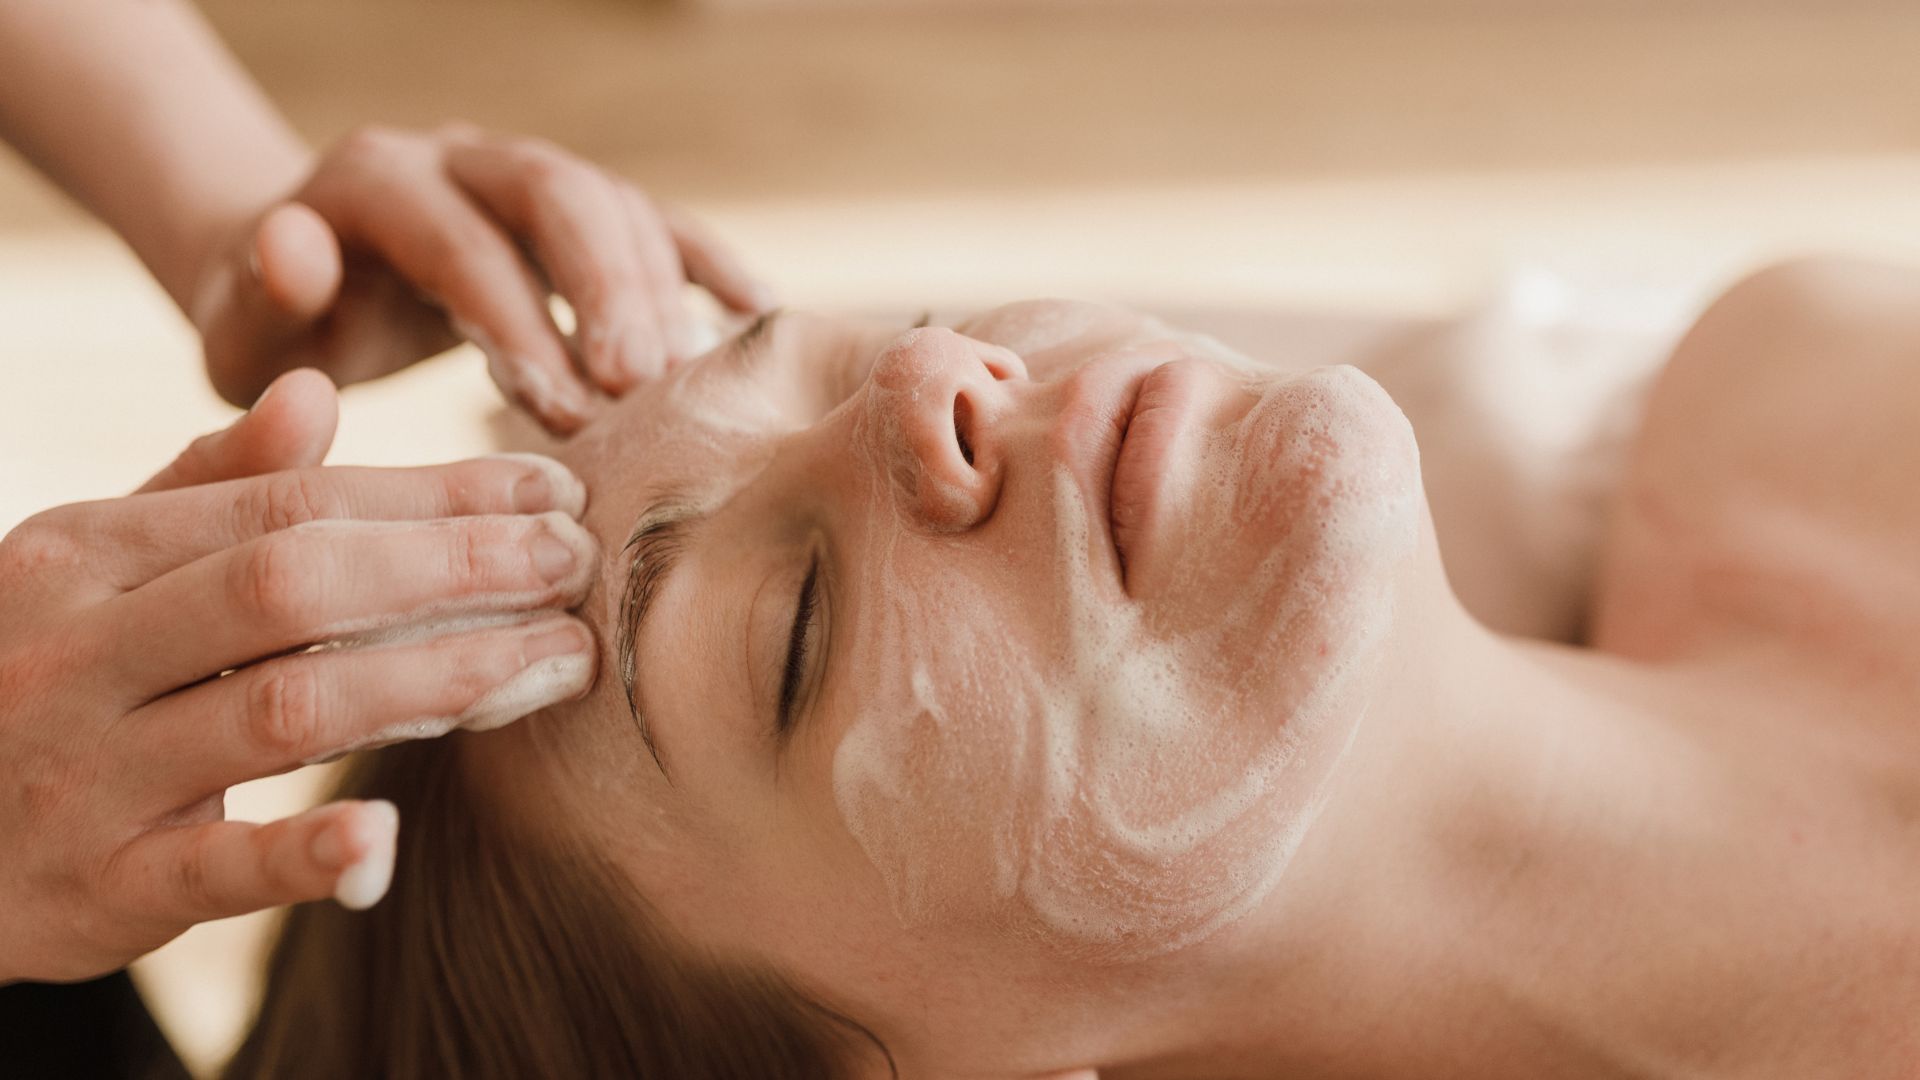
(1127, 779)
(1178, 789)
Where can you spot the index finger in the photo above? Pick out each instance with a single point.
(140, 537)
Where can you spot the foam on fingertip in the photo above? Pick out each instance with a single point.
(543, 683)
(365, 880)
(569, 494)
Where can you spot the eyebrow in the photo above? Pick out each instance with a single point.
(655, 546)
(652, 552)
(748, 350)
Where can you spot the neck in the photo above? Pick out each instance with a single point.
(1557, 862)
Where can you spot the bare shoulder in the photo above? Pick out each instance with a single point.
(1774, 486)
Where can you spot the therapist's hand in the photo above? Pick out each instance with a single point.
(401, 243)
(154, 651)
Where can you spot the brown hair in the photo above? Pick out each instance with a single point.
(504, 952)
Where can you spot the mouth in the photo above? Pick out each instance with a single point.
(1162, 403)
(1123, 422)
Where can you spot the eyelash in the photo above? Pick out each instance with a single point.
(803, 613)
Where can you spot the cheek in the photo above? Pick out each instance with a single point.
(1036, 763)
(1296, 523)
(930, 773)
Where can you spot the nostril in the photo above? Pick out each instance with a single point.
(962, 419)
(999, 368)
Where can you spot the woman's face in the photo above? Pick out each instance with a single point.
(1041, 635)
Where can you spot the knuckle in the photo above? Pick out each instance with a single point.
(192, 875)
(46, 541)
(277, 583)
(473, 669)
(473, 559)
(283, 713)
(46, 791)
(457, 491)
(56, 781)
(295, 498)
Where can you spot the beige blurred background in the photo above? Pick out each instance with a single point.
(1238, 161)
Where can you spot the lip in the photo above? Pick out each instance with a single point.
(1091, 434)
(1162, 404)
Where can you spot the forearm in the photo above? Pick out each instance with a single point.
(140, 113)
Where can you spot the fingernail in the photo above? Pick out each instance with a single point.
(550, 486)
(365, 881)
(566, 639)
(532, 493)
(553, 558)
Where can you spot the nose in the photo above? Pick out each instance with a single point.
(933, 399)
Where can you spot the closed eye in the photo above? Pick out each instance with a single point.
(798, 639)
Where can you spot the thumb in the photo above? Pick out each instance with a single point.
(291, 426)
(270, 293)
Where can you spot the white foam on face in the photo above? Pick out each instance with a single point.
(1115, 776)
